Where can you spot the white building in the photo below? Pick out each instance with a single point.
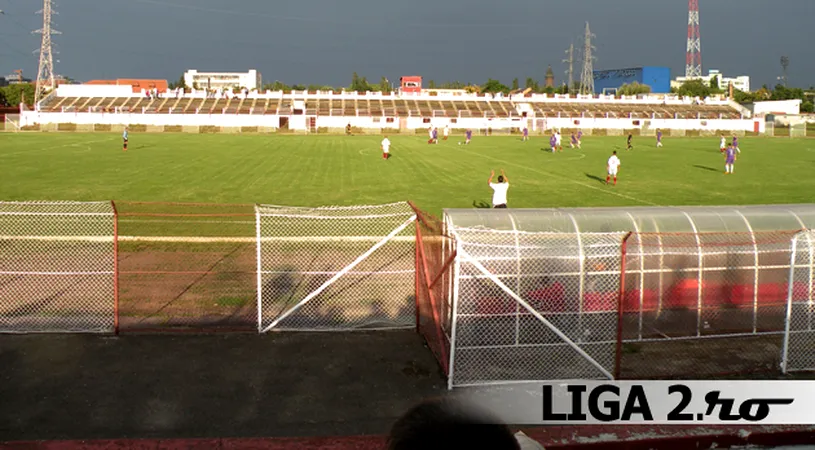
(223, 80)
(741, 83)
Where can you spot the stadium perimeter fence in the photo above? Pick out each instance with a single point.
(140, 267)
(494, 305)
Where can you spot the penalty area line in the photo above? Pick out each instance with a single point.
(553, 175)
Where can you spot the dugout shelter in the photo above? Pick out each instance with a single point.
(607, 293)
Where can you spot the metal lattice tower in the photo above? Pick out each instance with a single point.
(570, 61)
(693, 61)
(785, 63)
(587, 77)
(45, 74)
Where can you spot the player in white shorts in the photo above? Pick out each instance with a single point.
(612, 167)
(386, 148)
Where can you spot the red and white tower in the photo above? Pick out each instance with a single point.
(693, 62)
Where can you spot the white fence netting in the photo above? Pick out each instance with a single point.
(335, 268)
(57, 267)
(799, 337)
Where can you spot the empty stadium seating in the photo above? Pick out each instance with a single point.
(391, 106)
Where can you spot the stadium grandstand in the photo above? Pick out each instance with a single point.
(384, 105)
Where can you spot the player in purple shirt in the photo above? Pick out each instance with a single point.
(469, 135)
(553, 142)
(730, 159)
(526, 133)
(435, 135)
(659, 138)
(736, 143)
(573, 141)
(579, 137)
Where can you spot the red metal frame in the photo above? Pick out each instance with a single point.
(620, 302)
(433, 306)
(115, 268)
(417, 243)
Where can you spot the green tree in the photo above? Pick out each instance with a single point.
(276, 86)
(384, 85)
(494, 86)
(531, 84)
(14, 94)
(515, 84)
(740, 96)
(634, 88)
(694, 88)
(431, 84)
(714, 83)
(180, 84)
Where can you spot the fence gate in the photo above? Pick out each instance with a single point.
(57, 267)
(335, 268)
(534, 306)
(799, 337)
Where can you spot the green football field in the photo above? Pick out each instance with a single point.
(347, 170)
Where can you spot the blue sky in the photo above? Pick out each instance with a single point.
(324, 41)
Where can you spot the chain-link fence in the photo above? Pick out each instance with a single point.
(435, 255)
(186, 266)
(534, 306)
(57, 267)
(799, 337)
(702, 304)
(335, 268)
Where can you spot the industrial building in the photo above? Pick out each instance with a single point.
(741, 82)
(608, 81)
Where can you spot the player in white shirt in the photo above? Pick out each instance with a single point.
(612, 167)
(499, 189)
(446, 131)
(386, 148)
(558, 140)
(723, 145)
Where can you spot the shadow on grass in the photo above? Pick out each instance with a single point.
(481, 204)
(705, 168)
(595, 178)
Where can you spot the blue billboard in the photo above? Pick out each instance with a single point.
(658, 78)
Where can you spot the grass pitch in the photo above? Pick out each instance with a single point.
(348, 170)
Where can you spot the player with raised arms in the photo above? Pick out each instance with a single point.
(499, 189)
(612, 167)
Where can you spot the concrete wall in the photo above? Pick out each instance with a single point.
(409, 124)
(780, 107)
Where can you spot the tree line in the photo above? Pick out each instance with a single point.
(14, 94)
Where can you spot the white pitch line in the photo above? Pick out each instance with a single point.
(644, 202)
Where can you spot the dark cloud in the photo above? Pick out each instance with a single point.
(324, 41)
